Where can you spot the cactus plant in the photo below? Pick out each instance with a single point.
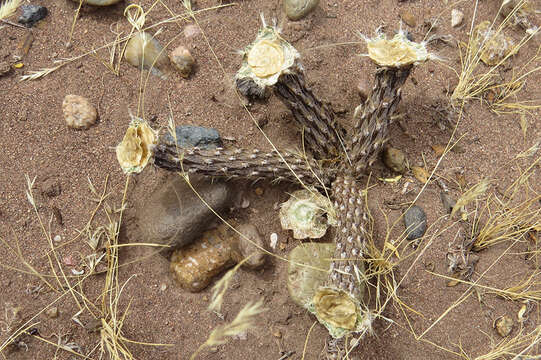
(271, 62)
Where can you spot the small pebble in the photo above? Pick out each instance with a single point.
(247, 249)
(297, 9)
(277, 334)
(163, 287)
(183, 61)
(32, 14)
(395, 160)
(191, 31)
(496, 45)
(408, 18)
(415, 222)
(5, 68)
(242, 335)
(69, 261)
(52, 312)
(245, 203)
(456, 17)
(143, 50)
(78, 112)
(273, 240)
(504, 326)
(195, 266)
(57, 238)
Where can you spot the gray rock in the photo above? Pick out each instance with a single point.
(297, 9)
(174, 215)
(189, 136)
(246, 248)
(415, 222)
(395, 160)
(32, 14)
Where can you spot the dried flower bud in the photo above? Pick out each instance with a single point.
(397, 52)
(336, 310)
(268, 57)
(303, 213)
(135, 149)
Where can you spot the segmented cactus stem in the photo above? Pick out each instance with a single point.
(351, 235)
(240, 163)
(371, 127)
(322, 133)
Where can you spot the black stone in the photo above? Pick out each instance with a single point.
(415, 222)
(189, 136)
(32, 14)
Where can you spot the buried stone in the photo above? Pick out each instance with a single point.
(174, 214)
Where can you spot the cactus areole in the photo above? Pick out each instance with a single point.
(272, 62)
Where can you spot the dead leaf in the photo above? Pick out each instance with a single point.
(420, 174)
(438, 149)
(452, 283)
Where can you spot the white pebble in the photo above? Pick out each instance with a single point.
(183, 61)
(78, 112)
(456, 17)
(57, 238)
(273, 240)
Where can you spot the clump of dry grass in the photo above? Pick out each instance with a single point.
(244, 320)
(511, 215)
(469, 196)
(507, 95)
(108, 314)
(521, 346)
(472, 85)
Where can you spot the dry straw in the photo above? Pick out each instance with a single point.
(8, 7)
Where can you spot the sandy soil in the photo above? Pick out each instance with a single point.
(37, 142)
